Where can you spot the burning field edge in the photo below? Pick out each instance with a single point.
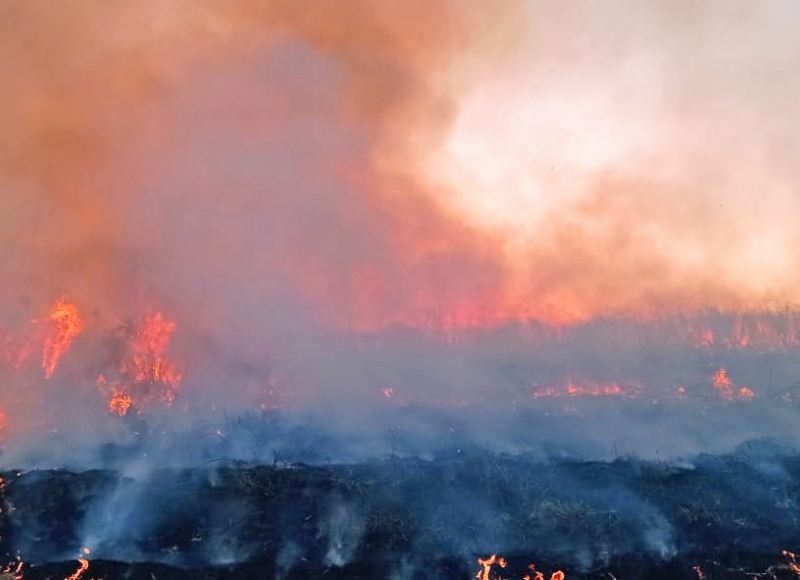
(712, 516)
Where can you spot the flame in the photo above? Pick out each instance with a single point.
(120, 403)
(83, 565)
(728, 390)
(486, 564)
(791, 561)
(65, 325)
(587, 389)
(147, 374)
(149, 352)
(12, 571)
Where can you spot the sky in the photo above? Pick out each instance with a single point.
(370, 165)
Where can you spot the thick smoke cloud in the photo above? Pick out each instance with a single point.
(296, 184)
(638, 158)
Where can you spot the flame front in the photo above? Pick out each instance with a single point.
(727, 390)
(587, 388)
(83, 565)
(120, 403)
(493, 566)
(147, 374)
(65, 325)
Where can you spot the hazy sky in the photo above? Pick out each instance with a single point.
(364, 163)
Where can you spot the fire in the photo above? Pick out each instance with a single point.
(587, 389)
(65, 325)
(487, 565)
(120, 403)
(791, 562)
(149, 352)
(728, 390)
(12, 571)
(557, 575)
(146, 373)
(707, 339)
(83, 565)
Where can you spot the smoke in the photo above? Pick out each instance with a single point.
(147, 146)
(637, 159)
(307, 190)
(384, 165)
(440, 230)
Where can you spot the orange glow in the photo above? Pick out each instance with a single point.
(486, 564)
(588, 389)
(791, 562)
(149, 353)
(486, 567)
(83, 565)
(147, 374)
(120, 403)
(13, 571)
(727, 390)
(65, 325)
(707, 340)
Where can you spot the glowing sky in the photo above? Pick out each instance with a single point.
(370, 163)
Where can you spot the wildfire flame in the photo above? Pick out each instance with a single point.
(120, 403)
(727, 390)
(148, 373)
(791, 562)
(587, 389)
(83, 565)
(487, 565)
(65, 325)
(12, 571)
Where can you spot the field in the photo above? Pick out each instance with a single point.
(715, 517)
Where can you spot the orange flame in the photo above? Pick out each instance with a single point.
(728, 390)
(149, 351)
(587, 389)
(486, 564)
(65, 325)
(83, 563)
(791, 562)
(147, 373)
(13, 571)
(120, 403)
